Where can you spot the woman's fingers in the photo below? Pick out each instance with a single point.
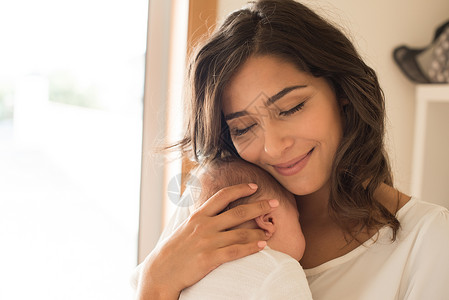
(243, 213)
(240, 236)
(223, 197)
(200, 243)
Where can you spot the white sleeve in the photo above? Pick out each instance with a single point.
(288, 281)
(428, 272)
(179, 216)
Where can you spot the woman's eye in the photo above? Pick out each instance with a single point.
(239, 132)
(293, 110)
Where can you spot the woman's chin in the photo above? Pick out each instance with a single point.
(303, 187)
(299, 189)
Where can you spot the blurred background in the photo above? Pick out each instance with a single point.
(71, 110)
(89, 88)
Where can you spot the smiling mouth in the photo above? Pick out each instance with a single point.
(291, 164)
(294, 166)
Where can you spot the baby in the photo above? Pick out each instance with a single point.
(273, 273)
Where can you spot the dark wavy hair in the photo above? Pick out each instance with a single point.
(291, 31)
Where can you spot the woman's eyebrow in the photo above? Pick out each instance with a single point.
(270, 101)
(284, 92)
(236, 115)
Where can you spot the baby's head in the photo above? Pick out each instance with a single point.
(282, 224)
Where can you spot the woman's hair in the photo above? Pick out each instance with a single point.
(291, 31)
(225, 172)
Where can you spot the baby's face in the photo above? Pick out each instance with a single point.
(288, 237)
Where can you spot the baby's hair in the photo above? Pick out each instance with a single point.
(231, 171)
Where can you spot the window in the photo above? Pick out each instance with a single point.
(71, 105)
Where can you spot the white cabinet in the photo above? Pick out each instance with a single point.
(430, 166)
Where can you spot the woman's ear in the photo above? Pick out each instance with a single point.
(343, 101)
(266, 223)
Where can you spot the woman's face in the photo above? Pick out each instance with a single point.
(285, 121)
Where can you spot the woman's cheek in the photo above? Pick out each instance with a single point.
(248, 151)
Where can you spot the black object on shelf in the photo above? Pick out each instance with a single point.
(429, 64)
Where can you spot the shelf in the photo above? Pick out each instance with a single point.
(426, 94)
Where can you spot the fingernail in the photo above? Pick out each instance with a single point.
(253, 186)
(274, 203)
(261, 244)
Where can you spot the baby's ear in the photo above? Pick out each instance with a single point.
(266, 223)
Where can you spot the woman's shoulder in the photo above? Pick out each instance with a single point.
(409, 210)
(424, 240)
(418, 215)
(419, 208)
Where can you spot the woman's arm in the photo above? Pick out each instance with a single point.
(201, 243)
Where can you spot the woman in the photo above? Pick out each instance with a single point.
(282, 88)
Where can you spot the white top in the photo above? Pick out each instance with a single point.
(268, 274)
(180, 215)
(415, 266)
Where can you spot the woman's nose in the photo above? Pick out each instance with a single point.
(276, 141)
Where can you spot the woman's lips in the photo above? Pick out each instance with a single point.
(294, 166)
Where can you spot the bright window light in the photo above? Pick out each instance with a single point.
(71, 96)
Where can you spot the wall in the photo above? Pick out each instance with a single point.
(376, 28)
(436, 163)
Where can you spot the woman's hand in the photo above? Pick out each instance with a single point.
(201, 243)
